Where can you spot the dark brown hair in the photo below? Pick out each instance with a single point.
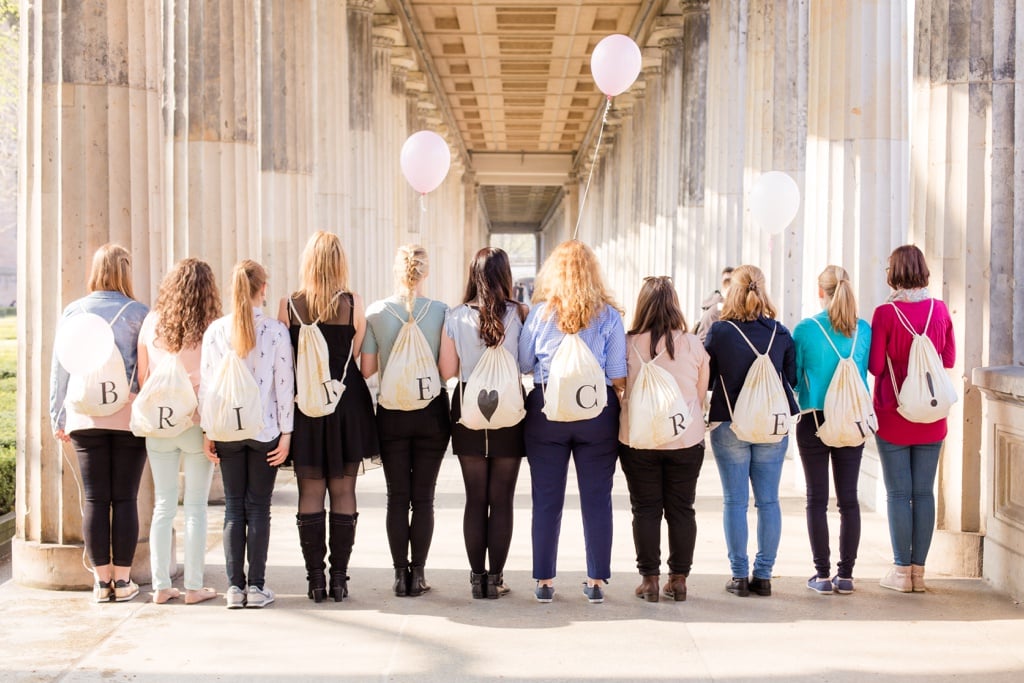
(187, 303)
(490, 286)
(907, 268)
(658, 312)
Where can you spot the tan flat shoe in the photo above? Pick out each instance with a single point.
(194, 597)
(164, 594)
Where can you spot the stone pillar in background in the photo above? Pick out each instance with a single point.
(964, 201)
(387, 141)
(360, 152)
(776, 141)
(210, 120)
(286, 155)
(90, 172)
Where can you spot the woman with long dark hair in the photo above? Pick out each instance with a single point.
(490, 458)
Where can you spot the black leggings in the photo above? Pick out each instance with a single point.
(111, 462)
(412, 447)
(487, 521)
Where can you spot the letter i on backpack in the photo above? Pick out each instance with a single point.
(927, 393)
(575, 388)
(411, 380)
(761, 413)
(849, 413)
(105, 390)
(657, 410)
(317, 394)
(165, 405)
(232, 410)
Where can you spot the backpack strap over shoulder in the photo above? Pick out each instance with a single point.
(750, 344)
(833, 345)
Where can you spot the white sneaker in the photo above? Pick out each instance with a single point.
(234, 598)
(898, 579)
(259, 597)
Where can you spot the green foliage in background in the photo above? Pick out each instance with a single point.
(8, 392)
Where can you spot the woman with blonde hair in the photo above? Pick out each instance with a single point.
(249, 466)
(414, 429)
(746, 329)
(571, 300)
(662, 479)
(110, 457)
(186, 305)
(821, 341)
(329, 450)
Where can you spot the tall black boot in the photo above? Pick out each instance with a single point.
(312, 538)
(343, 535)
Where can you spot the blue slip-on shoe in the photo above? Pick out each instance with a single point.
(544, 593)
(820, 585)
(841, 585)
(594, 594)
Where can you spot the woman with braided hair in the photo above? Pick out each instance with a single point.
(413, 440)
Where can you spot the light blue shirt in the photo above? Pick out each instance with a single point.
(816, 361)
(605, 336)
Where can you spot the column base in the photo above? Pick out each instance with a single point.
(54, 566)
(956, 553)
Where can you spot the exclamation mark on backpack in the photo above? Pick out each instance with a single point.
(931, 388)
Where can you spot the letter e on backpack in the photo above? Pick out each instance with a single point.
(761, 413)
(411, 380)
(317, 394)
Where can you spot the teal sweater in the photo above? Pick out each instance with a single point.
(816, 361)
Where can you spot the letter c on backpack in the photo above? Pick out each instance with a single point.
(579, 396)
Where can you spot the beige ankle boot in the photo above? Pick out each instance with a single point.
(898, 579)
(917, 578)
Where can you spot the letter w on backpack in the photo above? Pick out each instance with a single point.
(761, 413)
(232, 410)
(927, 393)
(657, 410)
(849, 414)
(165, 405)
(411, 380)
(575, 388)
(317, 394)
(103, 391)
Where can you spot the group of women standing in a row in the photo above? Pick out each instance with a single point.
(571, 299)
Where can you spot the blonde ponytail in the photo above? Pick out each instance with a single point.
(840, 302)
(247, 280)
(411, 266)
(747, 298)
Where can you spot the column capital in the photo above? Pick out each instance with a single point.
(361, 5)
(667, 31)
(387, 32)
(690, 6)
(651, 60)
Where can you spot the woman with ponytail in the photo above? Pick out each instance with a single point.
(249, 467)
(490, 458)
(820, 341)
(329, 450)
(412, 440)
(748, 320)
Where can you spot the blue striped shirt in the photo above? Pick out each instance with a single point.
(605, 336)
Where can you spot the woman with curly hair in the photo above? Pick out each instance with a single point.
(186, 305)
(571, 299)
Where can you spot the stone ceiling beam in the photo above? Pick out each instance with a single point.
(521, 169)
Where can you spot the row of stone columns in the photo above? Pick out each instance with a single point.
(222, 130)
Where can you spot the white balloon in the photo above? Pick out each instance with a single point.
(774, 201)
(83, 343)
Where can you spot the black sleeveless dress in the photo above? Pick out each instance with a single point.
(322, 446)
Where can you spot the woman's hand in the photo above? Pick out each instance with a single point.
(280, 454)
(61, 436)
(210, 450)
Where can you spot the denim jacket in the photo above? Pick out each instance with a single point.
(126, 336)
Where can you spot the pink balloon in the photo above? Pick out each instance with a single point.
(615, 64)
(425, 160)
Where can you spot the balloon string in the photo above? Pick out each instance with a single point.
(593, 163)
(423, 213)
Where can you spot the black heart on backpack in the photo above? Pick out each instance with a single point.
(487, 401)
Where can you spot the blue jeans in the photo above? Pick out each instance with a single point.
(760, 464)
(909, 473)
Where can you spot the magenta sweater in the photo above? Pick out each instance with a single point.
(888, 336)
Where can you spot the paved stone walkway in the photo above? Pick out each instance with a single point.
(961, 630)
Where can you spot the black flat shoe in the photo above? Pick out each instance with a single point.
(478, 583)
(417, 583)
(760, 586)
(738, 587)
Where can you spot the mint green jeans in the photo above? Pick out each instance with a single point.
(166, 458)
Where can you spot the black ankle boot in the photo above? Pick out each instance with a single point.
(478, 582)
(495, 586)
(417, 583)
(401, 586)
(343, 536)
(312, 530)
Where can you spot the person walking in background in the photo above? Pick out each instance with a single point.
(821, 342)
(249, 466)
(403, 339)
(187, 304)
(329, 450)
(747, 330)
(110, 457)
(489, 317)
(663, 480)
(711, 307)
(909, 450)
(572, 306)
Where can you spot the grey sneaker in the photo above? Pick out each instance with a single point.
(125, 590)
(234, 598)
(259, 597)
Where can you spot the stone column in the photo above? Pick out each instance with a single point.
(90, 172)
(286, 125)
(359, 14)
(387, 144)
(964, 203)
